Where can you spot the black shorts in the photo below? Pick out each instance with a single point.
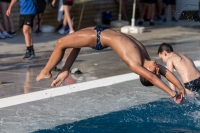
(193, 85)
(68, 2)
(5, 1)
(149, 1)
(26, 20)
(170, 2)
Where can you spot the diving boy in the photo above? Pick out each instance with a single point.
(184, 66)
(131, 51)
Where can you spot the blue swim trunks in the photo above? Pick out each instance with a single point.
(98, 45)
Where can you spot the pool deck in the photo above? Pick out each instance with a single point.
(48, 108)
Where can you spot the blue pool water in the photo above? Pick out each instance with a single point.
(162, 116)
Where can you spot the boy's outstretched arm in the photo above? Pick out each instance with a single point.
(10, 6)
(71, 58)
(172, 78)
(170, 67)
(138, 69)
(65, 70)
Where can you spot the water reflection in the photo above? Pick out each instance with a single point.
(27, 82)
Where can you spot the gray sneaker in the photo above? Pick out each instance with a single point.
(7, 35)
(30, 54)
(13, 33)
(2, 36)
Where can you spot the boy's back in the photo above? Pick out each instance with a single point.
(183, 64)
(185, 67)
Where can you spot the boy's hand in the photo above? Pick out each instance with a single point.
(157, 72)
(53, 3)
(178, 98)
(183, 92)
(8, 12)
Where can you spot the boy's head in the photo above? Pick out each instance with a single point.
(164, 50)
(152, 66)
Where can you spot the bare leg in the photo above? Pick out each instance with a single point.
(65, 70)
(152, 7)
(3, 10)
(12, 28)
(139, 6)
(7, 19)
(67, 18)
(36, 23)
(173, 10)
(27, 31)
(159, 7)
(145, 6)
(1, 28)
(82, 38)
(124, 11)
(149, 11)
(166, 10)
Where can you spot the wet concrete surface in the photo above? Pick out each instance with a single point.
(18, 77)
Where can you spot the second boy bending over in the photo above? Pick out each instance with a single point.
(184, 66)
(131, 51)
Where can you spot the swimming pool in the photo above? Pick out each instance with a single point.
(122, 107)
(161, 116)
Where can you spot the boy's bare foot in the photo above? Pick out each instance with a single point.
(43, 75)
(60, 78)
(0, 82)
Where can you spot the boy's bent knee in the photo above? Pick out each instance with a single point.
(59, 44)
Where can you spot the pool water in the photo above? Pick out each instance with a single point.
(163, 116)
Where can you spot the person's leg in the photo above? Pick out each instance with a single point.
(139, 4)
(67, 18)
(1, 31)
(65, 70)
(5, 19)
(1, 28)
(165, 13)
(74, 40)
(27, 31)
(148, 15)
(152, 15)
(3, 6)
(173, 10)
(12, 28)
(124, 8)
(159, 4)
(35, 24)
(145, 6)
